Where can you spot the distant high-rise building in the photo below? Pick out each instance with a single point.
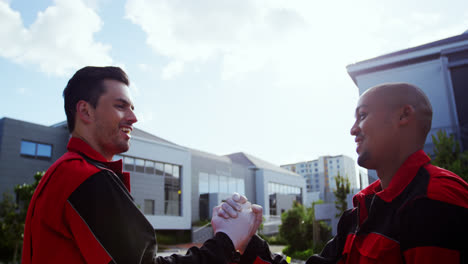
(320, 176)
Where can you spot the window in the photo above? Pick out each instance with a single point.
(214, 183)
(129, 164)
(232, 185)
(203, 183)
(44, 150)
(223, 184)
(176, 171)
(159, 168)
(149, 166)
(172, 190)
(139, 165)
(240, 186)
(35, 150)
(149, 207)
(168, 170)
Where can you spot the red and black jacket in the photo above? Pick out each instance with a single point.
(82, 212)
(421, 217)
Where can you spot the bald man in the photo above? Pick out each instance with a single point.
(415, 212)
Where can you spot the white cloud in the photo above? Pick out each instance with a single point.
(59, 41)
(188, 32)
(172, 69)
(275, 62)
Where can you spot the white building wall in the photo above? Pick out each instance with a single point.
(158, 151)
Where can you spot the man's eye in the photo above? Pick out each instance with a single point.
(362, 116)
(120, 106)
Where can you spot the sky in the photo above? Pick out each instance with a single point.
(265, 77)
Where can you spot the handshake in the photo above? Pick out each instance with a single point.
(238, 219)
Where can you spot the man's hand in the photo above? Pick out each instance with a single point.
(232, 206)
(238, 219)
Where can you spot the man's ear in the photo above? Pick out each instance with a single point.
(84, 112)
(406, 114)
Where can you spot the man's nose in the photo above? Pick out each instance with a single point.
(354, 129)
(131, 117)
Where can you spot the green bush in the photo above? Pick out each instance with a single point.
(301, 255)
(173, 237)
(273, 240)
(297, 229)
(292, 228)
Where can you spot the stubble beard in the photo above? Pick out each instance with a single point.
(363, 158)
(112, 142)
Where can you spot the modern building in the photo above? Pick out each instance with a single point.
(439, 68)
(173, 185)
(272, 183)
(320, 176)
(26, 148)
(364, 179)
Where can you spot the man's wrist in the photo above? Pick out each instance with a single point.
(234, 241)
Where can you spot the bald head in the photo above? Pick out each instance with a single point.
(397, 95)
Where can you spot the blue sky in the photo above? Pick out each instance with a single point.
(265, 77)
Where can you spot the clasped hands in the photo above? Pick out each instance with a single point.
(238, 219)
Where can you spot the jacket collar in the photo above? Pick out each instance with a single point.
(400, 180)
(404, 175)
(79, 146)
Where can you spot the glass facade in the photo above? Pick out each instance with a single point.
(212, 183)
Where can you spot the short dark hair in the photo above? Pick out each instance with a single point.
(86, 84)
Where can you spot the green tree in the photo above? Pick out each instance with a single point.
(343, 188)
(447, 154)
(12, 218)
(299, 228)
(292, 227)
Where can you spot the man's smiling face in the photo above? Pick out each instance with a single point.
(113, 119)
(374, 129)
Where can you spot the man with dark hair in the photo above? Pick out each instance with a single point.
(415, 212)
(82, 210)
(87, 85)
